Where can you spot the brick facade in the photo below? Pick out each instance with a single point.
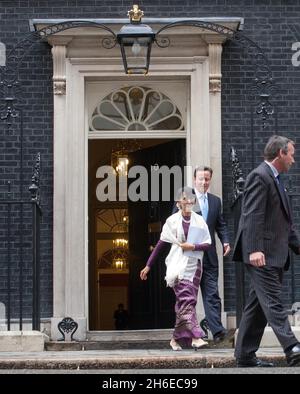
(270, 23)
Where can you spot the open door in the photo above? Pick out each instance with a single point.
(151, 303)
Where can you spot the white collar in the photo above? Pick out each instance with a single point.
(201, 195)
(274, 170)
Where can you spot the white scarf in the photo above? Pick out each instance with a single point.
(173, 233)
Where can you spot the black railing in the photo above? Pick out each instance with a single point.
(238, 186)
(20, 256)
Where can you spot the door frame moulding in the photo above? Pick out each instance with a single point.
(71, 170)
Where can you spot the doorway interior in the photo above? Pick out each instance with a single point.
(122, 235)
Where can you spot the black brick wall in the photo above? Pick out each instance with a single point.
(267, 23)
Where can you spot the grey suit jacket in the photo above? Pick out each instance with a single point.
(266, 221)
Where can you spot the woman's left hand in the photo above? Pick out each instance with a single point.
(187, 246)
(144, 273)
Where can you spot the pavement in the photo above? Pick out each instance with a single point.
(139, 359)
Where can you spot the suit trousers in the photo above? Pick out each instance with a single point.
(263, 306)
(210, 295)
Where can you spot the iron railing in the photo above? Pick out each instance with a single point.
(238, 186)
(20, 256)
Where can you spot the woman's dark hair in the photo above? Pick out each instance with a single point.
(186, 192)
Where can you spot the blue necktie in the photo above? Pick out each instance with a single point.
(204, 208)
(282, 191)
(280, 184)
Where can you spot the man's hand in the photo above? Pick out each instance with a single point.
(187, 246)
(226, 249)
(257, 259)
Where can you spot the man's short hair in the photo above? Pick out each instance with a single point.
(275, 143)
(203, 168)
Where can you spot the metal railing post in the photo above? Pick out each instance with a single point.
(8, 257)
(239, 267)
(35, 266)
(238, 186)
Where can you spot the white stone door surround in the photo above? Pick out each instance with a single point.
(72, 69)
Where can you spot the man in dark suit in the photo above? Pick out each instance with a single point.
(210, 207)
(264, 236)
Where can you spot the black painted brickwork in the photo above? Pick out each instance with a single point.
(267, 23)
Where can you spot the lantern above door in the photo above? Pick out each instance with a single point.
(135, 41)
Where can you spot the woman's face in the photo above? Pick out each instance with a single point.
(186, 203)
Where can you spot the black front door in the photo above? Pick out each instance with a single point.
(151, 303)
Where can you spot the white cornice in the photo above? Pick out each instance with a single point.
(235, 23)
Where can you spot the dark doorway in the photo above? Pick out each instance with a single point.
(149, 304)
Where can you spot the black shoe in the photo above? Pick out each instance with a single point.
(253, 363)
(293, 356)
(205, 328)
(220, 336)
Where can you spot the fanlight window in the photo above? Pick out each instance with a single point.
(136, 108)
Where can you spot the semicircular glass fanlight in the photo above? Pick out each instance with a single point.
(136, 108)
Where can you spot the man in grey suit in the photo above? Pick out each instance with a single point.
(210, 207)
(264, 236)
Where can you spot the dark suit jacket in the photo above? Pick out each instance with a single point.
(215, 223)
(266, 221)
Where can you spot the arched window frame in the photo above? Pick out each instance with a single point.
(123, 126)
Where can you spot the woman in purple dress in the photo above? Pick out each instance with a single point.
(189, 236)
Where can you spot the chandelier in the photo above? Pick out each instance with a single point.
(120, 254)
(120, 162)
(120, 155)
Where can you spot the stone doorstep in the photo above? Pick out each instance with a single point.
(35, 341)
(105, 345)
(120, 345)
(129, 335)
(127, 339)
(125, 343)
(22, 341)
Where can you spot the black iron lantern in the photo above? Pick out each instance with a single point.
(136, 40)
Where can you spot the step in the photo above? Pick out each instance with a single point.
(118, 340)
(114, 340)
(127, 335)
(105, 345)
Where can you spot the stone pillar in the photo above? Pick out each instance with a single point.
(215, 54)
(62, 280)
(213, 146)
(59, 209)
